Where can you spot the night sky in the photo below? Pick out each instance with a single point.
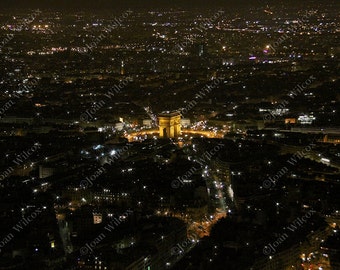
(97, 4)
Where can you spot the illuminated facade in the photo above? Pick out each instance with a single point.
(97, 218)
(169, 124)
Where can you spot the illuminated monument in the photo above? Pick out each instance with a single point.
(169, 124)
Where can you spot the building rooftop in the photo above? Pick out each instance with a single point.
(169, 113)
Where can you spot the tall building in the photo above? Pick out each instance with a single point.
(169, 124)
(122, 69)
